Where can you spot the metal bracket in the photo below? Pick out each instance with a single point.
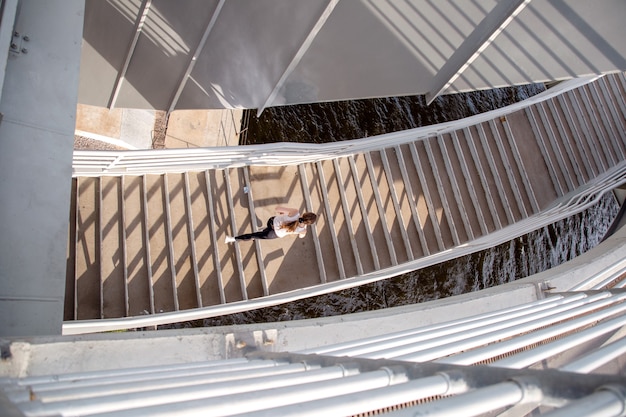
(18, 43)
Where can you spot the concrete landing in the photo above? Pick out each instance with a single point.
(140, 128)
(126, 128)
(203, 128)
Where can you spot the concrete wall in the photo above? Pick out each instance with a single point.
(240, 54)
(36, 141)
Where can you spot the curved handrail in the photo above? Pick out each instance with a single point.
(152, 161)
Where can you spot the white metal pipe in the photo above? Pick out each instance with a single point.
(596, 359)
(436, 347)
(82, 404)
(77, 376)
(364, 401)
(527, 358)
(224, 374)
(528, 336)
(603, 403)
(472, 403)
(611, 278)
(362, 346)
(604, 277)
(515, 329)
(270, 398)
(192, 383)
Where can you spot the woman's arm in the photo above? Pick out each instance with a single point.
(287, 210)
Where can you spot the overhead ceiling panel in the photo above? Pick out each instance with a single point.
(197, 54)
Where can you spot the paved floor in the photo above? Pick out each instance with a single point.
(135, 128)
(203, 128)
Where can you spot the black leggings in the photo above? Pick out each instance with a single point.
(267, 233)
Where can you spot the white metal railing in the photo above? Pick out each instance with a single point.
(480, 341)
(347, 383)
(467, 324)
(568, 205)
(98, 163)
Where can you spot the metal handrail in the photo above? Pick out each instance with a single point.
(100, 163)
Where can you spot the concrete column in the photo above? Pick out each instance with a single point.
(36, 143)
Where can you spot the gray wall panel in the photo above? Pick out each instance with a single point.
(164, 50)
(257, 54)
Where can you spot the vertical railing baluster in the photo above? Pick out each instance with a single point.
(233, 224)
(427, 197)
(495, 174)
(124, 244)
(99, 250)
(257, 244)
(381, 209)
(77, 223)
(396, 205)
(348, 217)
(593, 146)
(578, 137)
(330, 220)
(595, 124)
(147, 242)
(455, 187)
(530, 193)
(444, 200)
(509, 172)
(192, 240)
(412, 201)
(211, 226)
(364, 214)
(309, 207)
(483, 178)
(468, 183)
(170, 239)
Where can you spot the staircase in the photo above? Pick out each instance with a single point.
(143, 242)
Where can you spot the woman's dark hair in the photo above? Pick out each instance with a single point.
(305, 219)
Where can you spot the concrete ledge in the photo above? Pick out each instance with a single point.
(128, 128)
(203, 128)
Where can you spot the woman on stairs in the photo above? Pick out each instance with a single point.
(287, 221)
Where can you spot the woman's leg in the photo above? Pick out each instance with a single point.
(266, 233)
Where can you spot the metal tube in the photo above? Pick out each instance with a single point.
(372, 343)
(603, 403)
(77, 376)
(473, 403)
(219, 373)
(441, 346)
(601, 279)
(253, 381)
(527, 358)
(362, 402)
(98, 402)
(271, 398)
(527, 339)
(594, 360)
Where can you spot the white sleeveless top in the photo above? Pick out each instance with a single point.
(284, 219)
